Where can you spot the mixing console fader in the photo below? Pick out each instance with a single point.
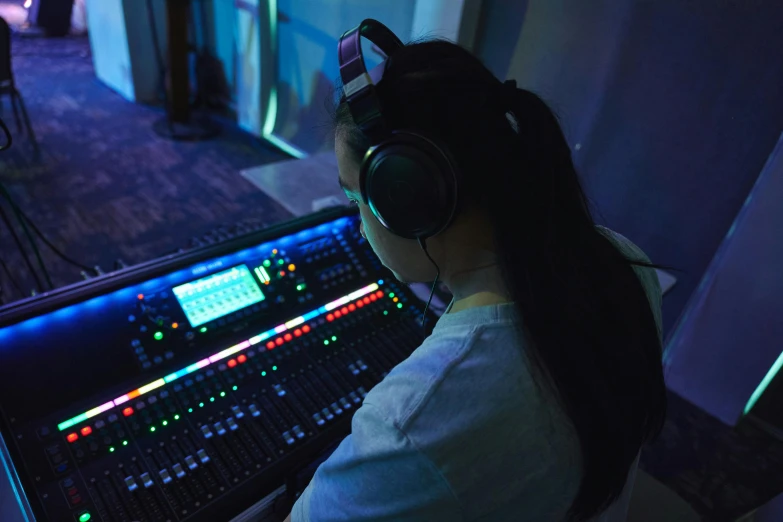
(190, 387)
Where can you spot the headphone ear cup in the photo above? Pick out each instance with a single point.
(410, 185)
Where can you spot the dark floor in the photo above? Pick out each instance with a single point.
(107, 187)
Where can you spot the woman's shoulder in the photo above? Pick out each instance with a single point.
(648, 276)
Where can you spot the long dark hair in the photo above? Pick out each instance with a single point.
(589, 328)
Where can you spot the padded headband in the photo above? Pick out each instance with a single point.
(358, 84)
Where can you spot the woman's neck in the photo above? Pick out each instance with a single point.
(479, 286)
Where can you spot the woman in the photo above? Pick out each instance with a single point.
(531, 398)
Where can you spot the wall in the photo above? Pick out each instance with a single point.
(109, 45)
(731, 332)
(671, 108)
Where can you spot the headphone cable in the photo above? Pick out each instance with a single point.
(423, 246)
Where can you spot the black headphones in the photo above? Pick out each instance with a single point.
(408, 180)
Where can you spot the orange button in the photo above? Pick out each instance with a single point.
(242, 358)
(86, 431)
(72, 437)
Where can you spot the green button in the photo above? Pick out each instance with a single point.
(84, 517)
(158, 336)
(267, 263)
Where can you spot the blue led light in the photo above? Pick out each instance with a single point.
(94, 310)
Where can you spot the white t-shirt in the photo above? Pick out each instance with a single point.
(459, 432)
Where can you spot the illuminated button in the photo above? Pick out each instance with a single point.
(288, 438)
(361, 364)
(373, 297)
(351, 307)
(72, 437)
(190, 462)
(231, 363)
(86, 431)
(140, 296)
(306, 328)
(146, 480)
(291, 267)
(219, 428)
(330, 317)
(379, 293)
(366, 300)
(206, 431)
(298, 432)
(242, 358)
(359, 304)
(337, 314)
(164, 476)
(270, 345)
(327, 414)
(254, 410)
(345, 403)
(237, 411)
(344, 310)
(131, 483)
(288, 337)
(158, 336)
(174, 325)
(355, 397)
(267, 263)
(279, 341)
(178, 471)
(202, 456)
(297, 333)
(362, 391)
(85, 517)
(232, 424)
(336, 408)
(280, 391)
(318, 420)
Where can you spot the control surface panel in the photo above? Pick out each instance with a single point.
(190, 387)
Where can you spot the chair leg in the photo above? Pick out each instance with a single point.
(28, 124)
(16, 114)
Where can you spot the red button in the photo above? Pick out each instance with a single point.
(297, 332)
(288, 337)
(373, 297)
(366, 300)
(306, 328)
(231, 363)
(359, 304)
(242, 358)
(279, 341)
(86, 431)
(270, 345)
(343, 310)
(72, 437)
(127, 411)
(351, 307)
(379, 293)
(338, 314)
(330, 318)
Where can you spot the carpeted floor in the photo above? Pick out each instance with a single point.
(106, 187)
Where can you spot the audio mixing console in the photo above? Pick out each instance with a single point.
(190, 387)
